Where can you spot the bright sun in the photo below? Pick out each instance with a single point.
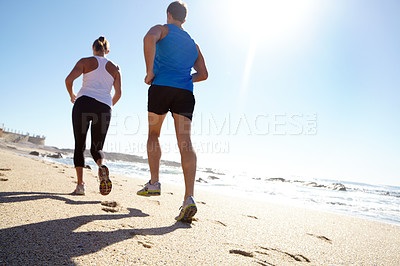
(268, 23)
(272, 20)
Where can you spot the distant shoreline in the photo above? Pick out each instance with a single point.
(27, 147)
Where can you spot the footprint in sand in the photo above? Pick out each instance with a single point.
(252, 216)
(241, 252)
(144, 241)
(321, 237)
(261, 256)
(296, 257)
(106, 209)
(111, 206)
(146, 245)
(110, 203)
(219, 222)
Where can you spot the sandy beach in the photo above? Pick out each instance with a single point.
(41, 223)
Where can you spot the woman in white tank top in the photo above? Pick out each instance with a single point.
(93, 105)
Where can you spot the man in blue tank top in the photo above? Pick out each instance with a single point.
(170, 54)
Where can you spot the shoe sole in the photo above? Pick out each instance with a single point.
(105, 187)
(105, 182)
(78, 193)
(149, 193)
(188, 214)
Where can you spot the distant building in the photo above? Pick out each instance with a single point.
(37, 140)
(9, 136)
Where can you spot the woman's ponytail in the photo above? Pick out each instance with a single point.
(101, 44)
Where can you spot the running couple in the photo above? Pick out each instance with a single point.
(170, 54)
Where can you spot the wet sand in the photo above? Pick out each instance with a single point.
(41, 223)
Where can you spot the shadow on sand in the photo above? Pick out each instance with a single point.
(56, 242)
(10, 197)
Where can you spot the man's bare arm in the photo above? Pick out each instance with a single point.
(149, 46)
(200, 67)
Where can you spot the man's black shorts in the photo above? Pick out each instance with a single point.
(163, 99)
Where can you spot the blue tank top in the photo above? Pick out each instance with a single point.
(175, 57)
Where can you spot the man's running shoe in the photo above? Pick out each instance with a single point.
(188, 210)
(150, 189)
(105, 182)
(80, 190)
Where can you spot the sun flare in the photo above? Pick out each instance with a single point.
(270, 20)
(267, 23)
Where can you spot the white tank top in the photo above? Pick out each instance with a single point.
(98, 83)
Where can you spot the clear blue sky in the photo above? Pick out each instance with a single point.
(306, 88)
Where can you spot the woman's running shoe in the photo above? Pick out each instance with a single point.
(105, 182)
(80, 190)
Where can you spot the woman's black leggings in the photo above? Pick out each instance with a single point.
(86, 110)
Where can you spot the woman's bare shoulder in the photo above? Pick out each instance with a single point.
(112, 68)
(89, 63)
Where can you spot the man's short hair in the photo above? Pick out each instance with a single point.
(178, 10)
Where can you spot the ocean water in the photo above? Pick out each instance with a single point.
(375, 202)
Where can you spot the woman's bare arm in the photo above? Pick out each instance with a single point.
(117, 86)
(69, 81)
